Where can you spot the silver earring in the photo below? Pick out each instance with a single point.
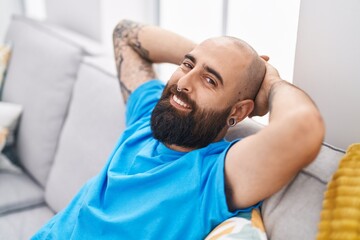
(232, 122)
(178, 89)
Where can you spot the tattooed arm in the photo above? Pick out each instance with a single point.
(137, 46)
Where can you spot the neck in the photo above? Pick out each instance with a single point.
(179, 148)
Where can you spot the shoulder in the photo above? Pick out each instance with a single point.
(143, 100)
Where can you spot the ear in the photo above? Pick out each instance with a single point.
(242, 109)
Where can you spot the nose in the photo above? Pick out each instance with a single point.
(186, 82)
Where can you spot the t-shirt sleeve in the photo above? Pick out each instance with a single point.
(214, 196)
(143, 100)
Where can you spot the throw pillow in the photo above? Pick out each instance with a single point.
(340, 216)
(4, 132)
(245, 226)
(5, 52)
(9, 117)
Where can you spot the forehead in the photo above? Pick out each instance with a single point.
(223, 55)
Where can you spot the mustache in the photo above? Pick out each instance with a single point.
(172, 89)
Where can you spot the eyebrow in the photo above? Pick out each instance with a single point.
(207, 68)
(191, 57)
(215, 73)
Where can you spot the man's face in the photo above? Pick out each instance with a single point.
(208, 80)
(186, 125)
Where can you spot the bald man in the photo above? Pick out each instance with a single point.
(172, 175)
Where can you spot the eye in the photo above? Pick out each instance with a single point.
(210, 81)
(187, 65)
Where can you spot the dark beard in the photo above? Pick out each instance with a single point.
(195, 129)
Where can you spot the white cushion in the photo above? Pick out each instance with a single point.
(40, 77)
(95, 121)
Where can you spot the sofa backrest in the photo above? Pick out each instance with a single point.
(294, 212)
(42, 71)
(94, 123)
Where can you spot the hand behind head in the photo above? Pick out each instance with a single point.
(262, 98)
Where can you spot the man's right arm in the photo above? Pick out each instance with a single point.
(261, 164)
(137, 46)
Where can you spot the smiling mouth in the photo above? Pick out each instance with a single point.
(178, 103)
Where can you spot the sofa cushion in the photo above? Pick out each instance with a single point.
(22, 225)
(294, 212)
(94, 123)
(40, 77)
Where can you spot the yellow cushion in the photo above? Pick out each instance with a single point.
(340, 216)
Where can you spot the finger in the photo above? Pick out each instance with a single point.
(265, 57)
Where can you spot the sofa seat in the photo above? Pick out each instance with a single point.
(18, 190)
(24, 223)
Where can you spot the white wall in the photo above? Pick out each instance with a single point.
(35, 9)
(270, 26)
(327, 64)
(97, 18)
(197, 20)
(8, 8)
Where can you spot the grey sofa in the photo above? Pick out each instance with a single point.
(72, 117)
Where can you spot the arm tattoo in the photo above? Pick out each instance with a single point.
(124, 90)
(128, 32)
(126, 35)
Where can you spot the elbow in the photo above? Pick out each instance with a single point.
(119, 31)
(317, 127)
(312, 132)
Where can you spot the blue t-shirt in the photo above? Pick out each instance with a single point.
(146, 190)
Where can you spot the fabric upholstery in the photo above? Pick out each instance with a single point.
(294, 212)
(243, 129)
(17, 190)
(94, 123)
(22, 225)
(40, 77)
(340, 215)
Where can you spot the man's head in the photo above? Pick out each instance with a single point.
(213, 88)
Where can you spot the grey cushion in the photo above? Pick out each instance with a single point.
(294, 212)
(22, 225)
(94, 123)
(41, 75)
(17, 190)
(243, 129)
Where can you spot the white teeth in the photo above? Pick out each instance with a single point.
(178, 101)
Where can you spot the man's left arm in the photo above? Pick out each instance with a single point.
(138, 46)
(260, 165)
